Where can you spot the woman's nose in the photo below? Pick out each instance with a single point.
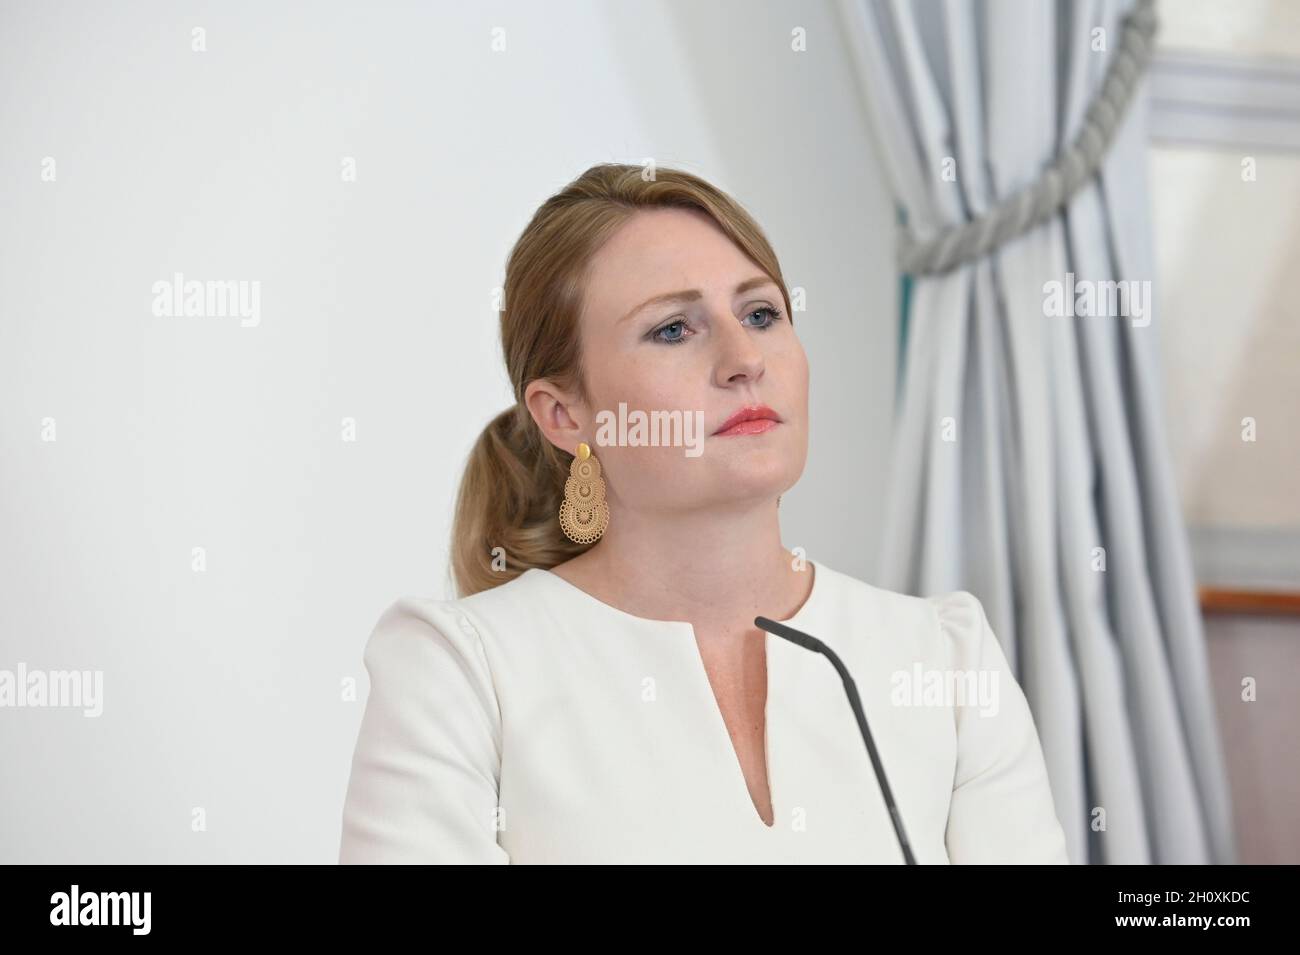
(739, 356)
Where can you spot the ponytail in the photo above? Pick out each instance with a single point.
(507, 511)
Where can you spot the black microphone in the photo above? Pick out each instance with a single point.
(812, 643)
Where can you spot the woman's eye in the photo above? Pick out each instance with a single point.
(672, 338)
(675, 333)
(773, 316)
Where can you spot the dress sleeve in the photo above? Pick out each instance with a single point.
(426, 769)
(1002, 809)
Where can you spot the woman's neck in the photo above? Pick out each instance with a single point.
(717, 571)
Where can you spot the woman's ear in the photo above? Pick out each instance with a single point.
(558, 414)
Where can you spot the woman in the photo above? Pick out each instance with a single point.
(599, 692)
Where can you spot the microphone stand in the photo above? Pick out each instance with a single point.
(802, 639)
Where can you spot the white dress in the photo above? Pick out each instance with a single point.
(534, 723)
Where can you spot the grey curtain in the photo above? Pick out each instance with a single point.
(1029, 462)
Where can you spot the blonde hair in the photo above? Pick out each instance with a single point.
(514, 478)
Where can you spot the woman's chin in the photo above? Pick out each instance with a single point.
(756, 483)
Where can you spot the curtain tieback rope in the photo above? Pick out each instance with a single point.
(1038, 202)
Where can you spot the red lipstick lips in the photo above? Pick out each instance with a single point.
(751, 419)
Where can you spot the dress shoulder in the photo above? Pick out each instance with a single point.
(964, 630)
(426, 767)
(960, 613)
(1002, 810)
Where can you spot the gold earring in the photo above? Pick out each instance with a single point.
(584, 515)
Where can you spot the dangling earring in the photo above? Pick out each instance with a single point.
(584, 515)
(778, 500)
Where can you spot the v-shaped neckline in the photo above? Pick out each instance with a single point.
(737, 771)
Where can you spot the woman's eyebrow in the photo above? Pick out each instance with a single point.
(691, 295)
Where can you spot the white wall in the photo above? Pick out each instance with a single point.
(1230, 335)
(222, 688)
(1244, 27)
(1227, 255)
